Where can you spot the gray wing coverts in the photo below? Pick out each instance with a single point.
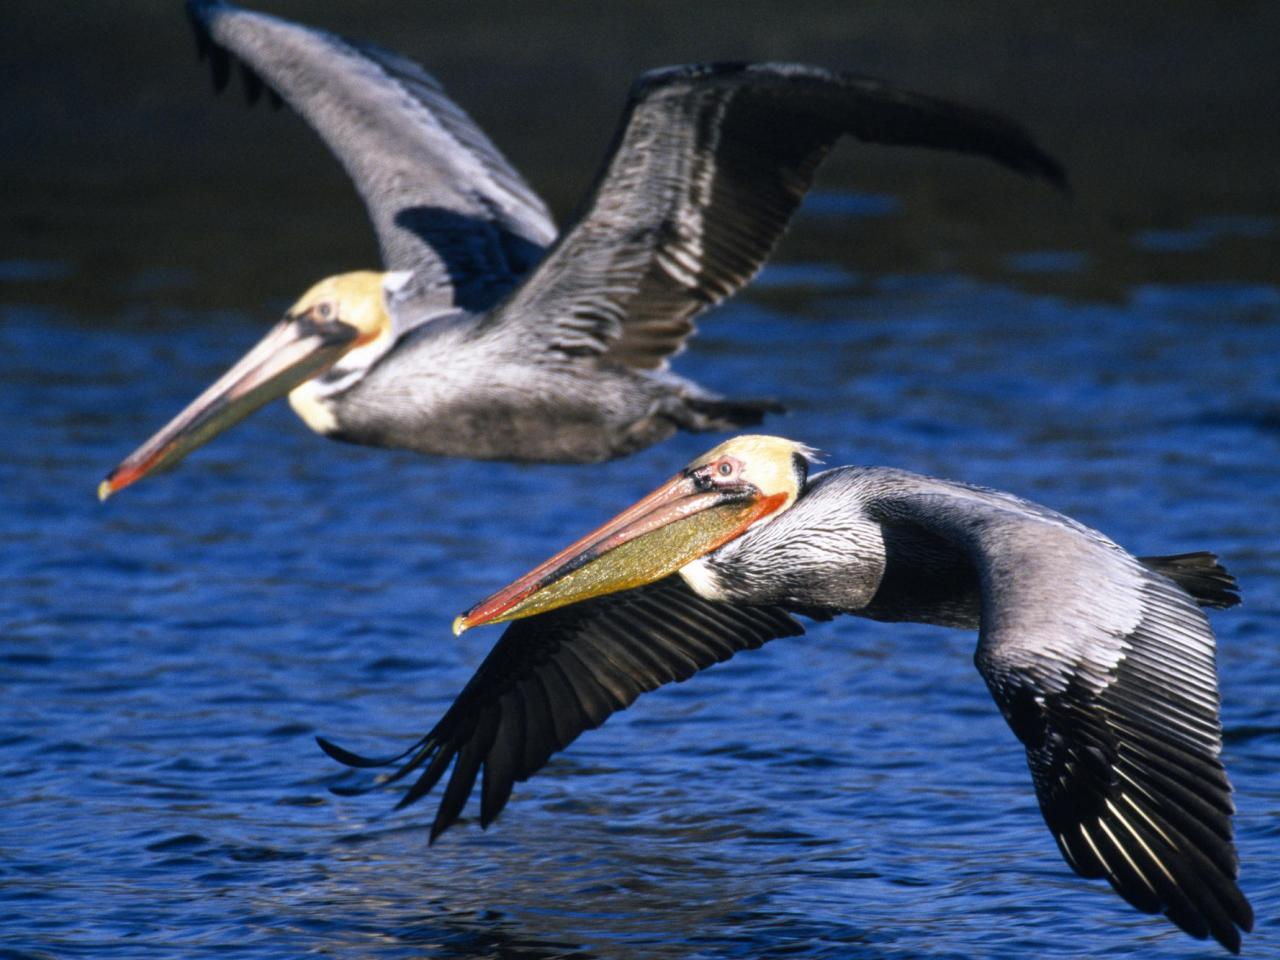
(1105, 670)
(707, 167)
(444, 202)
(552, 676)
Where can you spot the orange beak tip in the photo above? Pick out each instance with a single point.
(459, 625)
(105, 490)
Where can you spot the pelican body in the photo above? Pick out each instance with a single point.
(489, 335)
(1102, 663)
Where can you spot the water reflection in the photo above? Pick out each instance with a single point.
(1205, 233)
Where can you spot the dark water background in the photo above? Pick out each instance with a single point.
(166, 659)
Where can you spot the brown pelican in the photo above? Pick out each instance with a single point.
(1100, 661)
(489, 336)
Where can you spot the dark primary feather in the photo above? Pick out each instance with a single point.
(707, 168)
(1101, 663)
(1128, 774)
(444, 202)
(1201, 575)
(552, 676)
(1104, 668)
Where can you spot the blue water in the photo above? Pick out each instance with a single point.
(166, 659)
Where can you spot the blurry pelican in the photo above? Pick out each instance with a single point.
(492, 337)
(1100, 661)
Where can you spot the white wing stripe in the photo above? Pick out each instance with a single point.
(1125, 853)
(1138, 837)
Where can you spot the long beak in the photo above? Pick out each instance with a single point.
(672, 526)
(294, 350)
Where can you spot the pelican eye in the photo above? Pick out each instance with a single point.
(325, 309)
(717, 474)
(725, 472)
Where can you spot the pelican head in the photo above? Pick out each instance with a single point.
(341, 322)
(719, 496)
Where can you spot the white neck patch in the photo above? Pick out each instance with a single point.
(309, 403)
(699, 576)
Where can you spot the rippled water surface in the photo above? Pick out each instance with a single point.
(168, 657)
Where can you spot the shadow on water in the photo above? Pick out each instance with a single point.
(591, 892)
(129, 179)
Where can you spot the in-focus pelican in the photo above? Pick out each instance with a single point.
(1100, 661)
(492, 337)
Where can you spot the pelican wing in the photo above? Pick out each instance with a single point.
(444, 202)
(707, 167)
(1105, 670)
(552, 676)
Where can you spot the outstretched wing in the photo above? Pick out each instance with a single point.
(444, 202)
(707, 167)
(1105, 670)
(552, 676)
